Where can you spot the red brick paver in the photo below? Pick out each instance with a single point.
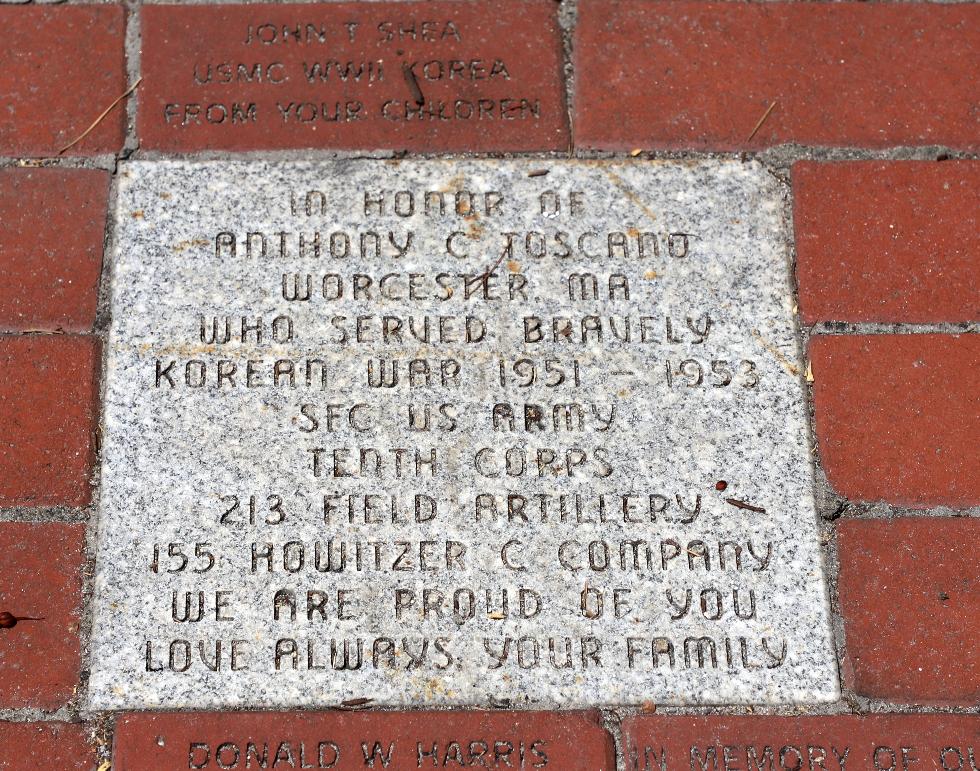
(396, 741)
(40, 578)
(898, 417)
(48, 397)
(910, 596)
(59, 68)
(52, 225)
(830, 743)
(45, 747)
(889, 241)
(352, 75)
(702, 74)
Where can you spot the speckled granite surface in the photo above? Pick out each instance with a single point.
(610, 503)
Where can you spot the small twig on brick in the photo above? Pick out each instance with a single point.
(762, 120)
(101, 117)
(8, 620)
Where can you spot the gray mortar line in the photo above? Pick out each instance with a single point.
(879, 510)
(782, 156)
(102, 722)
(106, 162)
(272, 156)
(132, 43)
(831, 328)
(103, 309)
(829, 564)
(777, 160)
(567, 24)
(828, 544)
(610, 720)
(102, 731)
(43, 514)
(85, 622)
(31, 715)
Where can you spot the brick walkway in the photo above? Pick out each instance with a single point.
(869, 112)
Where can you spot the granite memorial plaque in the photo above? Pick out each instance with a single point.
(525, 433)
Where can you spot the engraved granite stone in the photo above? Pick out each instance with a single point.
(466, 432)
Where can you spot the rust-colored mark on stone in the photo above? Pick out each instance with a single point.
(738, 504)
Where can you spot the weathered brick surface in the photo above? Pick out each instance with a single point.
(397, 741)
(828, 743)
(48, 395)
(50, 746)
(59, 68)
(898, 417)
(488, 74)
(701, 74)
(40, 578)
(910, 596)
(52, 225)
(888, 241)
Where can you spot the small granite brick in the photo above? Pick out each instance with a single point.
(61, 67)
(397, 741)
(50, 746)
(40, 584)
(48, 397)
(892, 241)
(179, 433)
(52, 225)
(702, 75)
(898, 417)
(910, 597)
(422, 76)
(824, 743)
